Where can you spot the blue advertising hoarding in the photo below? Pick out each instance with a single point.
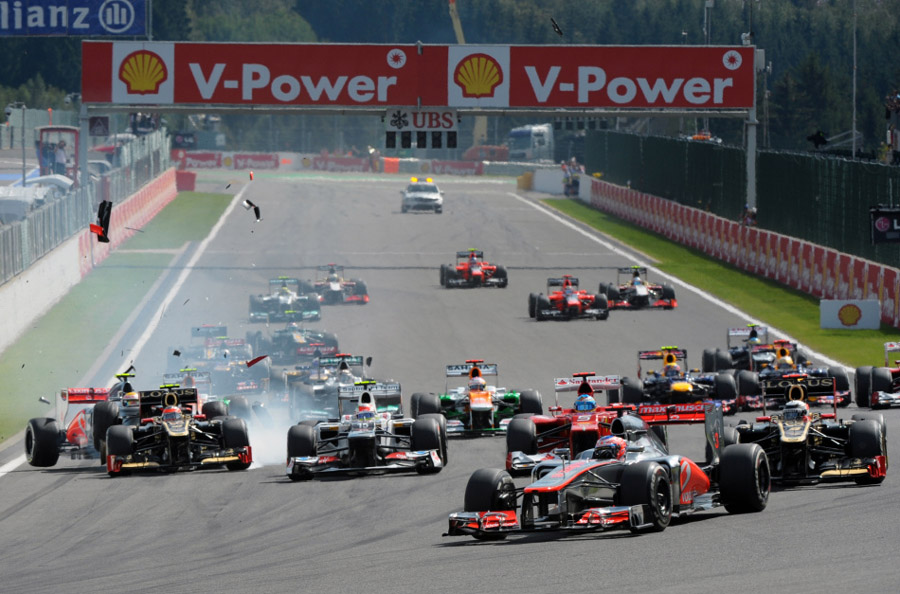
(97, 18)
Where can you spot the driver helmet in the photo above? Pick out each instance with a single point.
(365, 411)
(784, 363)
(226, 353)
(585, 403)
(332, 278)
(795, 410)
(477, 384)
(171, 413)
(754, 340)
(610, 447)
(673, 370)
(472, 257)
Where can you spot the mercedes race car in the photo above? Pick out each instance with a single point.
(629, 481)
(637, 293)
(171, 436)
(422, 195)
(471, 270)
(807, 447)
(294, 344)
(288, 300)
(879, 387)
(333, 288)
(364, 441)
(477, 408)
(565, 301)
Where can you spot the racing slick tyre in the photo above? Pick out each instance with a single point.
(723, 360)
(105, 415)
(301, 441)
(708, 361)
(359, 287)
(542, 303)
(841, 382)
(612, 292)
(214, 409)
(530, 402)
(744, 478)
(239, 406)
(490, 489)
(872, 416)
(632, 390)
(438, 209)
(441, 420)
(521, 436)
(502, 276)
(881, 381)
(863, 385)
(424, 403)
(867, 440)
(668, 292)
(119, 442)
(234, 435)
(601, 303)
(256, 305)
(748, 383)
(725, 386)
(443, 275)
(42, 442)
(426, 435)
(532, 304)
(648, 484)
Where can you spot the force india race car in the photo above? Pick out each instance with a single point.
(564, 300)
(809, 447)
(288, 300)
(471, 270)
(172, 437)
(879, 387)
(364, 441)
(477, 408)
(637, 293)
(333, 288)
(637, 485)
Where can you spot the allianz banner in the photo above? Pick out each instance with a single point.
(103, 18)
(885, 224)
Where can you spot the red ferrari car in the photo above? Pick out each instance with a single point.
(564, 301)
(471, 270)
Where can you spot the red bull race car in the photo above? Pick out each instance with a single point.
(472, 270)
(565, 301)
(637, 293)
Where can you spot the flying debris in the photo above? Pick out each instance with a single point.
(248, 205)
(251, 176)
(228, 186)
(556, 27)
(102, 226)
(256, 360)
(176, 353)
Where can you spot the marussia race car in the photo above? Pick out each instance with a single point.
(809, 447)
(294, 344)
(364, 441)
(476, 409)
(749, 349)
(676, 386)
(879, 387)
(288, 300)
(565, 432)
(171, 436)
(333, 288)
(633, 483)
(564, 300)
(637, 293)
(471, 270)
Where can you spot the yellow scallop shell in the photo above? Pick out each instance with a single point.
(478, 75)
(142, 72)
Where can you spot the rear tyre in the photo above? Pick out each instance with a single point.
(863, 385)
(239, 406)
(632, 390)
(748, 383)
(612, 292)
(867, 440)
(42, 442)
(301, 441)
(530, 402)
(214, 409)
(424, 403)
(426, 435)
(105, 415)
(744, 478)
(490, 489)
(725, 386)
(708, 361)
(521, 436)
(723, 360)
(648, 484)
(234, 435)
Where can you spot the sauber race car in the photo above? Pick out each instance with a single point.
(879, 387)
(807, 447)
(171, 436)
(477, 408)
(673, 385)
(637, 293)
(332, 287)
(471, 270)
(630, 480)
(365, 441)
(564, 301)
(422, 195)
(294, 344)
(288, 300)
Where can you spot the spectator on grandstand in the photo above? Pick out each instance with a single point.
(748, 217)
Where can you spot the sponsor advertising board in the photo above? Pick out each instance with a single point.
(850, 314)
(106, 18)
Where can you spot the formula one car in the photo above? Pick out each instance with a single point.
(294, 344)
(637, 293)
(288, 300)
(749, 349)
(879, 387)
(675, 386)
(422, 195)
(364, 441)
(630, 481)
(533, 439)
(565, 301)
(171, 436)
(332, 287)
(476, 409)
(471, 270)
(809, 447)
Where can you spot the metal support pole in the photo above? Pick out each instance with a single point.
(854, 81)
(83, 122)
(23, 145)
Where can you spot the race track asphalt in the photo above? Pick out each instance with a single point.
(71, 528)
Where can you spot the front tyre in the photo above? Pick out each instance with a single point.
(648, 484)
(744, 478)
(490, 489)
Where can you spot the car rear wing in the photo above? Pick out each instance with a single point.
(668, 354)
(467, 253)
(561, 282)
(708, 413)
(603, 382)
(797, 387)
(386, 394)
(330, 268)
(464, 369)
(84, 395)
(632, 269)
(208, 331)
(742, 335)
(152, 401)
(354, 361)
(890, 347)
(218, 342)
(199, 377)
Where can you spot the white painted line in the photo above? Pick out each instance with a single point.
(674, 280)
(12, 465)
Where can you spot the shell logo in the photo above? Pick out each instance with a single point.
(142, 72)
(478, 75)
(849, 315)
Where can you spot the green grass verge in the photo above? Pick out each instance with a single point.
(64, 343)
(786, 309)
